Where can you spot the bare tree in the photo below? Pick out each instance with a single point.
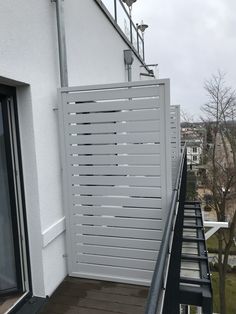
(220, 111)
(186, 117)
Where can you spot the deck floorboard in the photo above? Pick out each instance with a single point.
(85, 296)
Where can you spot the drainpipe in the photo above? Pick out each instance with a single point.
(61, 42)
(129, 69)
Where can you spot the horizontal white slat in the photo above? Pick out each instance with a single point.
(115, 138)
(120, 191)
(118, 222)
(116, 180)
(139, 115)
(116, 261)
(118, 211)
(111, 241)
(132, 149)
(117, 252)
(144, 83)
(125, 160)
(120, 274)
(117, 201)
(117, 170)
(150, 91)
(119, 232)
(112, 105)
(131, 126)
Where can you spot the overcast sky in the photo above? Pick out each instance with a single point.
(190, 40)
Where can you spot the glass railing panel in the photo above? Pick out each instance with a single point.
(140, 45)
(109, 4)
(123, 20)
(120, 14)
(134, 37)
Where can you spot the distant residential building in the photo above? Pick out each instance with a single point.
(194, 152)
(194, 136)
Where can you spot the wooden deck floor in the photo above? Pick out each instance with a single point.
(7, 302)
(82, 296)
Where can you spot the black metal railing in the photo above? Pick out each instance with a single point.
(157, 291)
(121, 16)
(193, 290)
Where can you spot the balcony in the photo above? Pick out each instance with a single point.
(133, 241)
(116, 11)
(181, 276)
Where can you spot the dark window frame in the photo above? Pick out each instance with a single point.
(5, 93)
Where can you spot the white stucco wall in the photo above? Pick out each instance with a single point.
(94, 47)
(28, 54)
(29, 60)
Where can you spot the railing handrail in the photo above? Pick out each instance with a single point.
(158, 275)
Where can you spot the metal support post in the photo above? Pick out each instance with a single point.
(61, 42)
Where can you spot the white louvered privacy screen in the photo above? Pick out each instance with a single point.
(175, 139)
(117, 177)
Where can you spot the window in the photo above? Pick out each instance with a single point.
(13, 248)
(194, 149)
(194, 158)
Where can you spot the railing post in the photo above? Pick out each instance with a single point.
(137, 37)
(115, 10)
(130, 26)
(143, 51)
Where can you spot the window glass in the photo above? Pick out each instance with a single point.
(109, 4)
(123, 20)
(7, 257)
